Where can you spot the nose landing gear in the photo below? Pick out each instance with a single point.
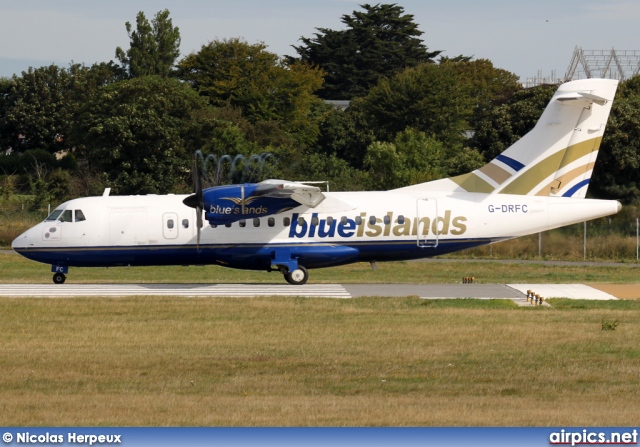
(59, 278)
(59, 273)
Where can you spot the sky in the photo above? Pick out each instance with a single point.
(524, 37)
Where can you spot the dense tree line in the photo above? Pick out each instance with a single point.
(134, 125)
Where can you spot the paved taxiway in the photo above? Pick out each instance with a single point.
(515, 292)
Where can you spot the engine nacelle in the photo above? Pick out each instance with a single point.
(228, 204)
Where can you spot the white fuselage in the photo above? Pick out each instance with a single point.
(345, 227)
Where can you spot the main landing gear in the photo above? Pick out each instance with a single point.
(297, 277)
(286, 264)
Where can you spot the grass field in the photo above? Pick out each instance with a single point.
(15, 269)
(292, 362)
(157, 361)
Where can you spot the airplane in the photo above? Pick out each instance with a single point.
(537, 184)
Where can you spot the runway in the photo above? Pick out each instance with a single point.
(515, 292)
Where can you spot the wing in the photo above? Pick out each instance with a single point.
(310, 196)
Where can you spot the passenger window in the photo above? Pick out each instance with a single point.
(256, 222)
(243, 223)
(358, 220)
(80, 216)
(228, 225)
(286, 221)
(387, 220)
(401, 219)
(329, 220)
(185, 223)
(314, 220)
(271, 222)
(213, 225)
(301, 221)
(372, 220)
(170, 224)
(67, 216)
(343, 220)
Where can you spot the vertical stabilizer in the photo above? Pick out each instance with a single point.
(556, 158)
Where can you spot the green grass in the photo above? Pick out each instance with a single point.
(569, 304)
(153, 361)
(296, 362)
(15, 269)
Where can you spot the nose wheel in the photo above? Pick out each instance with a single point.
(59, 278)
(297, 277)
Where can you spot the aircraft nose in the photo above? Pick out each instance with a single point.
(24, 240)
(20, 241)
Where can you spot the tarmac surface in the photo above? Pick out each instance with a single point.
(515, 292)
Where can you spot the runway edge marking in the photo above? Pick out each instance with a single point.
(186, 290)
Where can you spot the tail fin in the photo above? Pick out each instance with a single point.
(556, 158)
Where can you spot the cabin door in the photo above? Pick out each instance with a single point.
(170, 225)
(425, 226)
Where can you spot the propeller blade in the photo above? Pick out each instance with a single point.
(196, 200)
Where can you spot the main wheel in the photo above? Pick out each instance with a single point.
(297, 277)
(58, 278)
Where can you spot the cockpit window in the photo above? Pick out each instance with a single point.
(54, 215)
(67, 216)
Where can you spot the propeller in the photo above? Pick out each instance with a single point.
(196, 200)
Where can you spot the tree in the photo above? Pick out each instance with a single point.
(617, 173)
(6, 84)
(142, 133)
(429, 98)
(376, 43)
(154, 46)
(344, 134)
(414, 157)
(39, 110)
(233, 73)
(507, 123)
(489, 86)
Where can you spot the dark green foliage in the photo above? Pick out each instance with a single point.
(32, 162)
(39, 112)
(617, 173)
(410, 120)
(429, 98)
(489, 86)
(505, 124)
(154, 46)
(142, 133)
(414, 157)
(380, 41)
(340, 175)
(6, 85)
(344, 134)
(276, 98)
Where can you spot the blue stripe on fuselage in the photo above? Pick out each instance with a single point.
(245, 256)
